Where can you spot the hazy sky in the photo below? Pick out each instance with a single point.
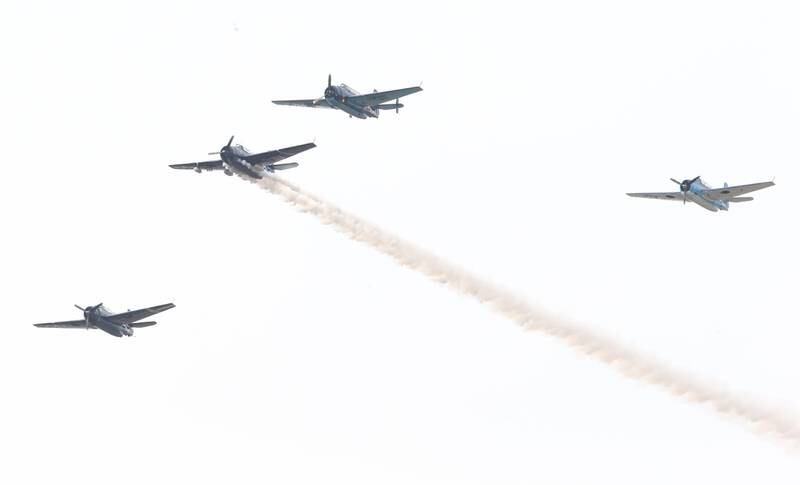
(296, 355)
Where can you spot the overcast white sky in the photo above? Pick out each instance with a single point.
(298, 356)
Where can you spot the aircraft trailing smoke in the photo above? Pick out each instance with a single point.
(627, 362)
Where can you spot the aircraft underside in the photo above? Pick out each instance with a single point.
(351, 110)
(113, 329)
(243, 169)
(711, 205)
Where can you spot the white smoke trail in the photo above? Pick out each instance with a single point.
(627, 362)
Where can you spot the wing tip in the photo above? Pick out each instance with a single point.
(304, 147)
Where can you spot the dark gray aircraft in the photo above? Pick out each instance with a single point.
(236, 159)
(347, 99)
(695, 190)
(117, 324)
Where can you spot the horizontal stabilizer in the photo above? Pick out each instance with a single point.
(740, 199)
(142, 324)
(284, 166)
(388, 106)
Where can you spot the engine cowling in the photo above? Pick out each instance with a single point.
(332, 92)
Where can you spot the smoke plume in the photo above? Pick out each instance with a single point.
(505, 303)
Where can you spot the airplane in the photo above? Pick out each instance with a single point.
(711, 199)
(347, 99)
(236, 159)
(116, 324)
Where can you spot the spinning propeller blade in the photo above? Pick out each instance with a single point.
(686, 185)
(223, 148)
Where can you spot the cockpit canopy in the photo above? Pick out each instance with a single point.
(103, 310)
(240, 149)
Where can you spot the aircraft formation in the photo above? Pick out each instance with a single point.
(235, 159)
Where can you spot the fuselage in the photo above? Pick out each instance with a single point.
(336, 96)
(695, 194)
(234, 162)
(96, 317)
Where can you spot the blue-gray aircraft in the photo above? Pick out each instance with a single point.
(347, 99)
(116, 324)
(696, 191)
(236, 159)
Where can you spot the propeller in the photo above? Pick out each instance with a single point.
(332, 92)
(223, 148)
(686, 185)
(87, 312)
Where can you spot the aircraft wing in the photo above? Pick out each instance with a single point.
(659, 195)
(308, 103)
(68, 324)
(268, 158)
(128, 318)
(727, 193)
(374, 99)
(203, 166)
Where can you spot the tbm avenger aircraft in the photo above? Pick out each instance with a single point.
(347, 99)
(712, 199)
(117, 324)
(236, 159)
